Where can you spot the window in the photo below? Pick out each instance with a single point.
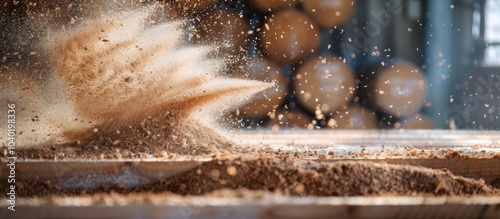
(492, 33)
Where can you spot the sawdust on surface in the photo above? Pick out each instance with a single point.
(292, 177)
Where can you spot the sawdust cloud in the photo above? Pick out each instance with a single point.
(124, 79)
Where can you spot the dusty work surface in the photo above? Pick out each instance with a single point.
(275, 176)
(342, 144)
(257, 187)
(290, 177)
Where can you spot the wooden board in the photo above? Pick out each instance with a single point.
(133, 172)
(270, 207)
(335, 139)
(93, 173)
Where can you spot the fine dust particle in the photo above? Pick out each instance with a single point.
(215, 173)
(299, 189)
(323, 157)
(231, 170)
(124, 72)
(441, 187)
